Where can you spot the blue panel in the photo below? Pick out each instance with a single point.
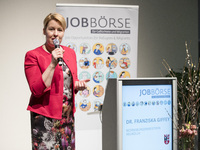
(147, 116)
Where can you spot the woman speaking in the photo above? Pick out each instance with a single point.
(53, 89)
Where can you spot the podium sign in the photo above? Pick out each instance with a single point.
(139, 113)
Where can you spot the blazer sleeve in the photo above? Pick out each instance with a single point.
(34, 75)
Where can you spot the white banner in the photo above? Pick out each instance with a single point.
(105, 39)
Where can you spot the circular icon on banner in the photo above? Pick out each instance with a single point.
(124, 49)
(97, 104)
(98, 77)
(85, 93)
(111, 48)
(98, 49)
(85, 48)
(84, 63)
(98, 63)
(72, 46)
(85, 105)
(111, 74)
(124, 62)
(98, 91)
(84, 75)
(111, 62)
(124, 74)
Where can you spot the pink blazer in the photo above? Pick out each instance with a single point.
(43, 100)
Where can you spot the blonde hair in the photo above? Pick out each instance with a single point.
(57, 17)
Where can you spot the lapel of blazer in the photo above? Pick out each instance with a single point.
(69, 60)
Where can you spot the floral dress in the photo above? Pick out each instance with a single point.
(53, 134)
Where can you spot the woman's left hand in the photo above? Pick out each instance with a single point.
(81, 85)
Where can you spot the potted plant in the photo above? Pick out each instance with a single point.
(188, 97)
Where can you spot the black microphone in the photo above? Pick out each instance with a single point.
(57, 45)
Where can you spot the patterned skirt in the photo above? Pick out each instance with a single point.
(52, 134)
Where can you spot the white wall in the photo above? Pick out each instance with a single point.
(164, 25)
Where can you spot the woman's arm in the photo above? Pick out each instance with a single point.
(40, 82)
(47, 75)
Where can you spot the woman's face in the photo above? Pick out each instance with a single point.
(53, 30)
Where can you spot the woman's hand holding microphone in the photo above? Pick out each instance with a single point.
(57, 53)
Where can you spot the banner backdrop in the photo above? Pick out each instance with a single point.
(105, 39)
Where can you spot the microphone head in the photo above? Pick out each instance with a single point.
(56, 42)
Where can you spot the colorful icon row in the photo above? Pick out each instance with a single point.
(98, 76)
(98, 63)
(99, 49)
(85, 105)
(97, 91)
(145, 103)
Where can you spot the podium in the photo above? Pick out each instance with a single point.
(140, 114)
